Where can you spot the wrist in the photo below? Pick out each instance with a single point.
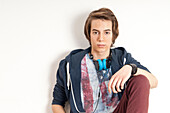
(133, 68)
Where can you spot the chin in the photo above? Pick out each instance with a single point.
(101, 49)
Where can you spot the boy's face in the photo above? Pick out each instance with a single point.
(101, 35)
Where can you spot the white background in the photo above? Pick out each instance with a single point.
(36, 34)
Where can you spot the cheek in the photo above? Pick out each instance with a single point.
(109, 40)
(92, 40)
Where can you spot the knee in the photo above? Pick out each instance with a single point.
(139, 82)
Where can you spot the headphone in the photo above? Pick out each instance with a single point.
(102, 64)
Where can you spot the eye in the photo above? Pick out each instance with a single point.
(107, 32)
(95, 32)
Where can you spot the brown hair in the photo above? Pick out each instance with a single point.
(102, 13)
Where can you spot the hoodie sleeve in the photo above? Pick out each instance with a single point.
(128, 59)
(59, 94)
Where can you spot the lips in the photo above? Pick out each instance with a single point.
(101, 45)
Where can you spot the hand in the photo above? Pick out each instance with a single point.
(119, 78)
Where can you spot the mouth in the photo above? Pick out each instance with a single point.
(101, 45)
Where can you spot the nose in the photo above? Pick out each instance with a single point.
(101, 37)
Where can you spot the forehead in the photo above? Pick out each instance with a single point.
(101, 24)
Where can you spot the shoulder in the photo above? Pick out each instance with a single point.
(119, 50)
(77, 54)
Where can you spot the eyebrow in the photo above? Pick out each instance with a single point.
(95, 30)
(107, 30)
(98, 30)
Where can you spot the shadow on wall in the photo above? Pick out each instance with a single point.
(77, 29)
(52, 80)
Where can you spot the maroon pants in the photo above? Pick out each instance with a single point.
(135, 98)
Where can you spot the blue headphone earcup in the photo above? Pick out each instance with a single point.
(100, 64)
(104, 64)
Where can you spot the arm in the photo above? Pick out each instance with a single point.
(58, 109)
(59, 94)
(152, 79)
(118, 80)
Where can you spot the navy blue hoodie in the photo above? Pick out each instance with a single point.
(68, 84)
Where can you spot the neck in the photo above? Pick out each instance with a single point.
(100, 55)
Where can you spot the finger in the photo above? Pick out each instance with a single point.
(110, 83)
(113, 86)
(122, 84)
(118, 85)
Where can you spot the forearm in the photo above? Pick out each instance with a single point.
(152, 79)
(58, 109)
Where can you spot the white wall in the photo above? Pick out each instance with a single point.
(36, 34)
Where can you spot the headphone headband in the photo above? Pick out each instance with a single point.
(102, 64)
(108, 58)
